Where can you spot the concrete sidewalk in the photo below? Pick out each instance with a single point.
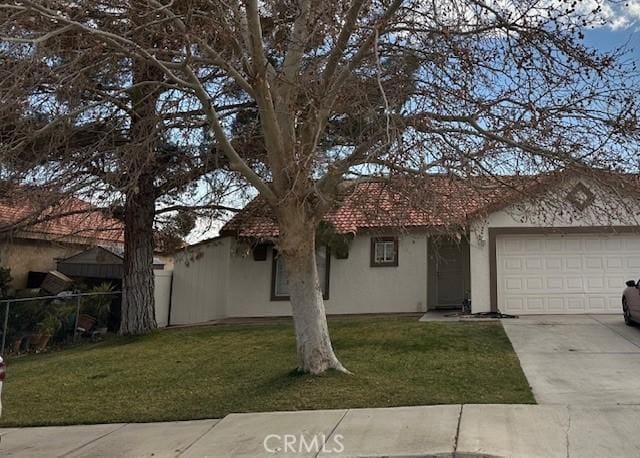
(448, 430)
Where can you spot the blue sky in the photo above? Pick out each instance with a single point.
(623, 25)
(607, 39)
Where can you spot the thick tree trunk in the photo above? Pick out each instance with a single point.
(138, 304)
(314, 349)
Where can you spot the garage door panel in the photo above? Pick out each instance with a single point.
(613, 304)
(571, 245)
(534, 284)
(633, 264)
(565, 274)
(555, 284)
(593, 245)
(632, 244)
(556, 304)
(613, 284)
(597, 303)
(534, 263)
(616, 263)
(573, 263)
(533, 245)
(512, 264)
(552, 245)
(514, 303)
(574, 284)
(513, 245)
(514, 285)
(575, 304)
(595, 284)
(553, 264)
(594, 263)
(615, 244)
(536, 304)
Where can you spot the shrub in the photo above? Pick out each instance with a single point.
(99, 307)
(5, 281)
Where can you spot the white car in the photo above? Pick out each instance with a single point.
(631, 303)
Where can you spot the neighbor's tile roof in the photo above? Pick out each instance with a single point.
(438, 201)
(70, 218)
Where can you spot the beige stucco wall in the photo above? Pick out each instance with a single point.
(204, 289)
(358, 288)
(168, 261)
(22, 256)
(551, 210)
(354, 286)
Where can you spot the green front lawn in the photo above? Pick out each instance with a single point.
(210, 372)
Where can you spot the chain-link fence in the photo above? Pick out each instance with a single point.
(29, 323)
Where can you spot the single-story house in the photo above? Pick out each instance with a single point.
(35, 240)
(558, 243)
(75, 238)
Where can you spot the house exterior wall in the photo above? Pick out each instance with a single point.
(358, 288)
(204, 289)
(551, 210)
(23, 256)
(167, 260)
(354, 286)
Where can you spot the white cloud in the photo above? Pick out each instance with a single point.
(633, 9)
(619, 22)
(620, 15)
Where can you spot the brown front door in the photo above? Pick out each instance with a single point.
(449, 273)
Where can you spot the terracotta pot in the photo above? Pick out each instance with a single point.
(86, 322)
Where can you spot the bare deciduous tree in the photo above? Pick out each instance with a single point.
(336, 89)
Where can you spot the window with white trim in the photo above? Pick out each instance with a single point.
(384, 251)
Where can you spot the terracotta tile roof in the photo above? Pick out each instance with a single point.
(437, 201)
(70, 218)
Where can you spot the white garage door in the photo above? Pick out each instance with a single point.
(565, 274)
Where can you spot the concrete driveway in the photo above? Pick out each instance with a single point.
(578, 359)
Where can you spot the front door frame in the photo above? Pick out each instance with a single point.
(432, 277)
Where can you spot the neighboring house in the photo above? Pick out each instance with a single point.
(36, 243)
(99, 263)
(551, 244)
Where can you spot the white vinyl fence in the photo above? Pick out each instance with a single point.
(162, 296)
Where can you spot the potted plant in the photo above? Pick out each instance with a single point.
(44, 330)
(99, 307)
(85, 323)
